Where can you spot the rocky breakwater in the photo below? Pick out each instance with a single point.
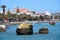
(24, 29)
(43, 31)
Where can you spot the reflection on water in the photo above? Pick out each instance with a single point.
(54, 33)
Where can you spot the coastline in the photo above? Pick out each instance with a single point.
(31, 22)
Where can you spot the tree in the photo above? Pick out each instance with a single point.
(3, 7)
(17, 10)
(33, 12)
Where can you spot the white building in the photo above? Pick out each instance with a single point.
(47, 13)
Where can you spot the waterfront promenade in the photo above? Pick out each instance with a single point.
(31, 22)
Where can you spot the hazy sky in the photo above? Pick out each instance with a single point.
(34, 5)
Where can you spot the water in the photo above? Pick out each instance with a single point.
(54, 33)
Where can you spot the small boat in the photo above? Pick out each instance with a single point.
(52, 22)
(2, 28)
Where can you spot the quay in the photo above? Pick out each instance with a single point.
(31, 22)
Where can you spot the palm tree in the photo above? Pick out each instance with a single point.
(3, 7)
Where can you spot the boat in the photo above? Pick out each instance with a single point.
(52, 22)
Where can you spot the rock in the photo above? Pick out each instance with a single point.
(24, 29)
(43, 31)
(2, 28)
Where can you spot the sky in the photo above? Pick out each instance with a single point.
(52, 6)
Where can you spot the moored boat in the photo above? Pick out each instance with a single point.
(52, 22)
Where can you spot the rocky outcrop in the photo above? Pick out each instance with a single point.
(43, 31)
(24, 29)
(2, 28)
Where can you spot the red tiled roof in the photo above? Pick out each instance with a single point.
(23, 10)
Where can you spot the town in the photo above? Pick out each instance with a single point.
(23, 14)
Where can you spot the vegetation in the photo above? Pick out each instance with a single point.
(3, 7)
(23, 16)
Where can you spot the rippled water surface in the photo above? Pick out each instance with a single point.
(54, 33)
